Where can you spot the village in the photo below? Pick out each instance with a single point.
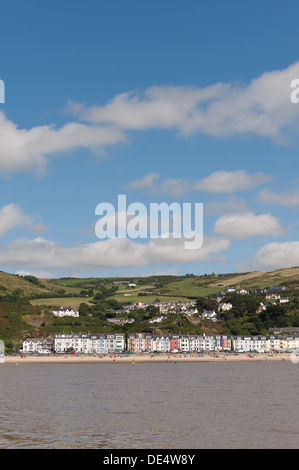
(84, 343)
(277, 339)
(272, 297)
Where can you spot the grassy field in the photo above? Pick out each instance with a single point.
(11, 282)
(189, 288)
(148, 298)
(255, 280)
(171, 286)
(65, 302)
(177, 288)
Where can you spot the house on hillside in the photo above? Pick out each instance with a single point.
(157, 319)
(259, 291)
(120, 321)
(261, 307)
(229, 290)
(225, 306)
(277, 288)
(272, 297)
(68, 312)
(209, 315)
(242, 291)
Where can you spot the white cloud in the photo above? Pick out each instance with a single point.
(277, 255)
(285, 198)
(12, 216)
(43, 254)
(224, 182)
(168, 272)
(39, 274)
(145, 182)
(232, 205)
(262, 107)
(219, 182)
(26, 150)
(241, 226)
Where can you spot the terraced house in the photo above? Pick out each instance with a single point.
(89, 343)
(139, 342)
(37, 345)
(161, 343)
(265, 343)
(191, 343)
(147, 342)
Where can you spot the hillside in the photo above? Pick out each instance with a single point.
(25, 303)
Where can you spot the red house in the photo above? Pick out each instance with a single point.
(175, 342)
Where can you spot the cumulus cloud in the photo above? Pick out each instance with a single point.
(231, 205)
(146, 182)
(27, 150)
(277, 255)
(12, 216)
(223, 182)
(241, 226)
(43, 254)
(261, 107)
(218, 182)
(285, 198)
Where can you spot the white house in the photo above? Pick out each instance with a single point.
(242, 343)
(157, 319)
(89, 343)
(257, 343)
(191, 343)
(68, 312)
(120, 321)
(224, 306)
(161, 343)
(260, 308)
(209, 315)
(228, 290)
(37, 345)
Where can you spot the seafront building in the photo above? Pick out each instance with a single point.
(161, 343)
(89, 343)
(265, 343)
(97, 343)
(139, 342)
(37, 345)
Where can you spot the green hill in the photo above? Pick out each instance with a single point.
(25, 303)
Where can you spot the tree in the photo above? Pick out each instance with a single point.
(204, 303)
(152, 311)
(84, 309)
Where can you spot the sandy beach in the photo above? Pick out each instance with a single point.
(145, 358)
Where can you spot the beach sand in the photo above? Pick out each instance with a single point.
(145, 358)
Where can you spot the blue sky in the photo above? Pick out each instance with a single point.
(161, 101)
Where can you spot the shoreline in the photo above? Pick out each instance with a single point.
(146, 358)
